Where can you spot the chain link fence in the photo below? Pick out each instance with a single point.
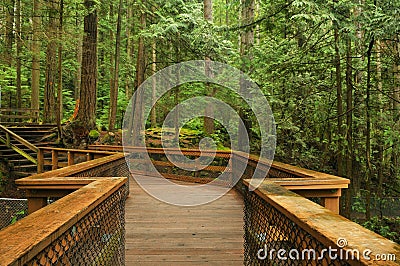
(96, 239)
(267, 231)
(12, 210)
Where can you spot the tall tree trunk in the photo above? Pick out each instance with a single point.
(19, 47)
(368, 175)
(114, 88)
(136, 126)
(339, 108)
(129, 52)
(78, 74)
(86, 117)
(358, 94)
(49, 116)
(246, 43)
(9, 32)
(349, 122)
(210, 89)
(59, 115)
(395, 162)
(380, 137)
(153, 115)
(176, 94)
(111, 58)
(36, 24)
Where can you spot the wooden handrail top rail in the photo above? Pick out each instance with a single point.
(304, 178)
(76, 150)
(153, 150)
(291, 169)
(19, 139)
(326, 226)
(70, 170)
(24, 239)
(305, 174)
(334, 182)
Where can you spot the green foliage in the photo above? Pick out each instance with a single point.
(17, 216)
(385, 227)
(94, 134)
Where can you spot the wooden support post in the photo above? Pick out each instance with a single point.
(40, 161)
(88, 157)
(331, 204)
(231, 181)
(54, 160)
(329, 197)
(8, 140)
(35, 204)
(70, 158)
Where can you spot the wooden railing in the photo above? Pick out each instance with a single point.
(59, 157)
(307, 183)
(275, 217)
(304, 233)
(7, 141)
(18, 114)
(85, 225)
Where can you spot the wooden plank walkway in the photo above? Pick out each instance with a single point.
(158, 233)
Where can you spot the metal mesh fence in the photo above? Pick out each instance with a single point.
(193, 172)
(260, 169)
(267, 231)
(117, 168)
(12, 210)
(96, 239)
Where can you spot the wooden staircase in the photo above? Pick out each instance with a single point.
(19, 165)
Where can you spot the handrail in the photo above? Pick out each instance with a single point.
(320, 223)
(18, 150)
(24, 240)
(88, 190)
(296, 171)
(307, 183)
(26, 143)
(70, 153)
(270, 209)
(18, 138)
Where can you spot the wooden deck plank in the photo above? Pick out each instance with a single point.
(158, 233)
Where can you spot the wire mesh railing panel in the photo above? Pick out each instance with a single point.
(115, 168)
(12, 210)
(188, 166)
(96, 239)
(271, 238)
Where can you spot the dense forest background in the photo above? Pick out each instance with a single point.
(329, 69)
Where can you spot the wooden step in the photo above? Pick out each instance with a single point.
(15, 156)
(18, 162)
(21, 174)
(32, 168)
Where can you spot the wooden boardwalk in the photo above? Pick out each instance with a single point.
(158, 233)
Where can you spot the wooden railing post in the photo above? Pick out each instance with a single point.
(331, 203)
(88, 157)
(40, 161)
(230, 167)
(35, 204)
(54, 159)
(70, 158)
(8, 140)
